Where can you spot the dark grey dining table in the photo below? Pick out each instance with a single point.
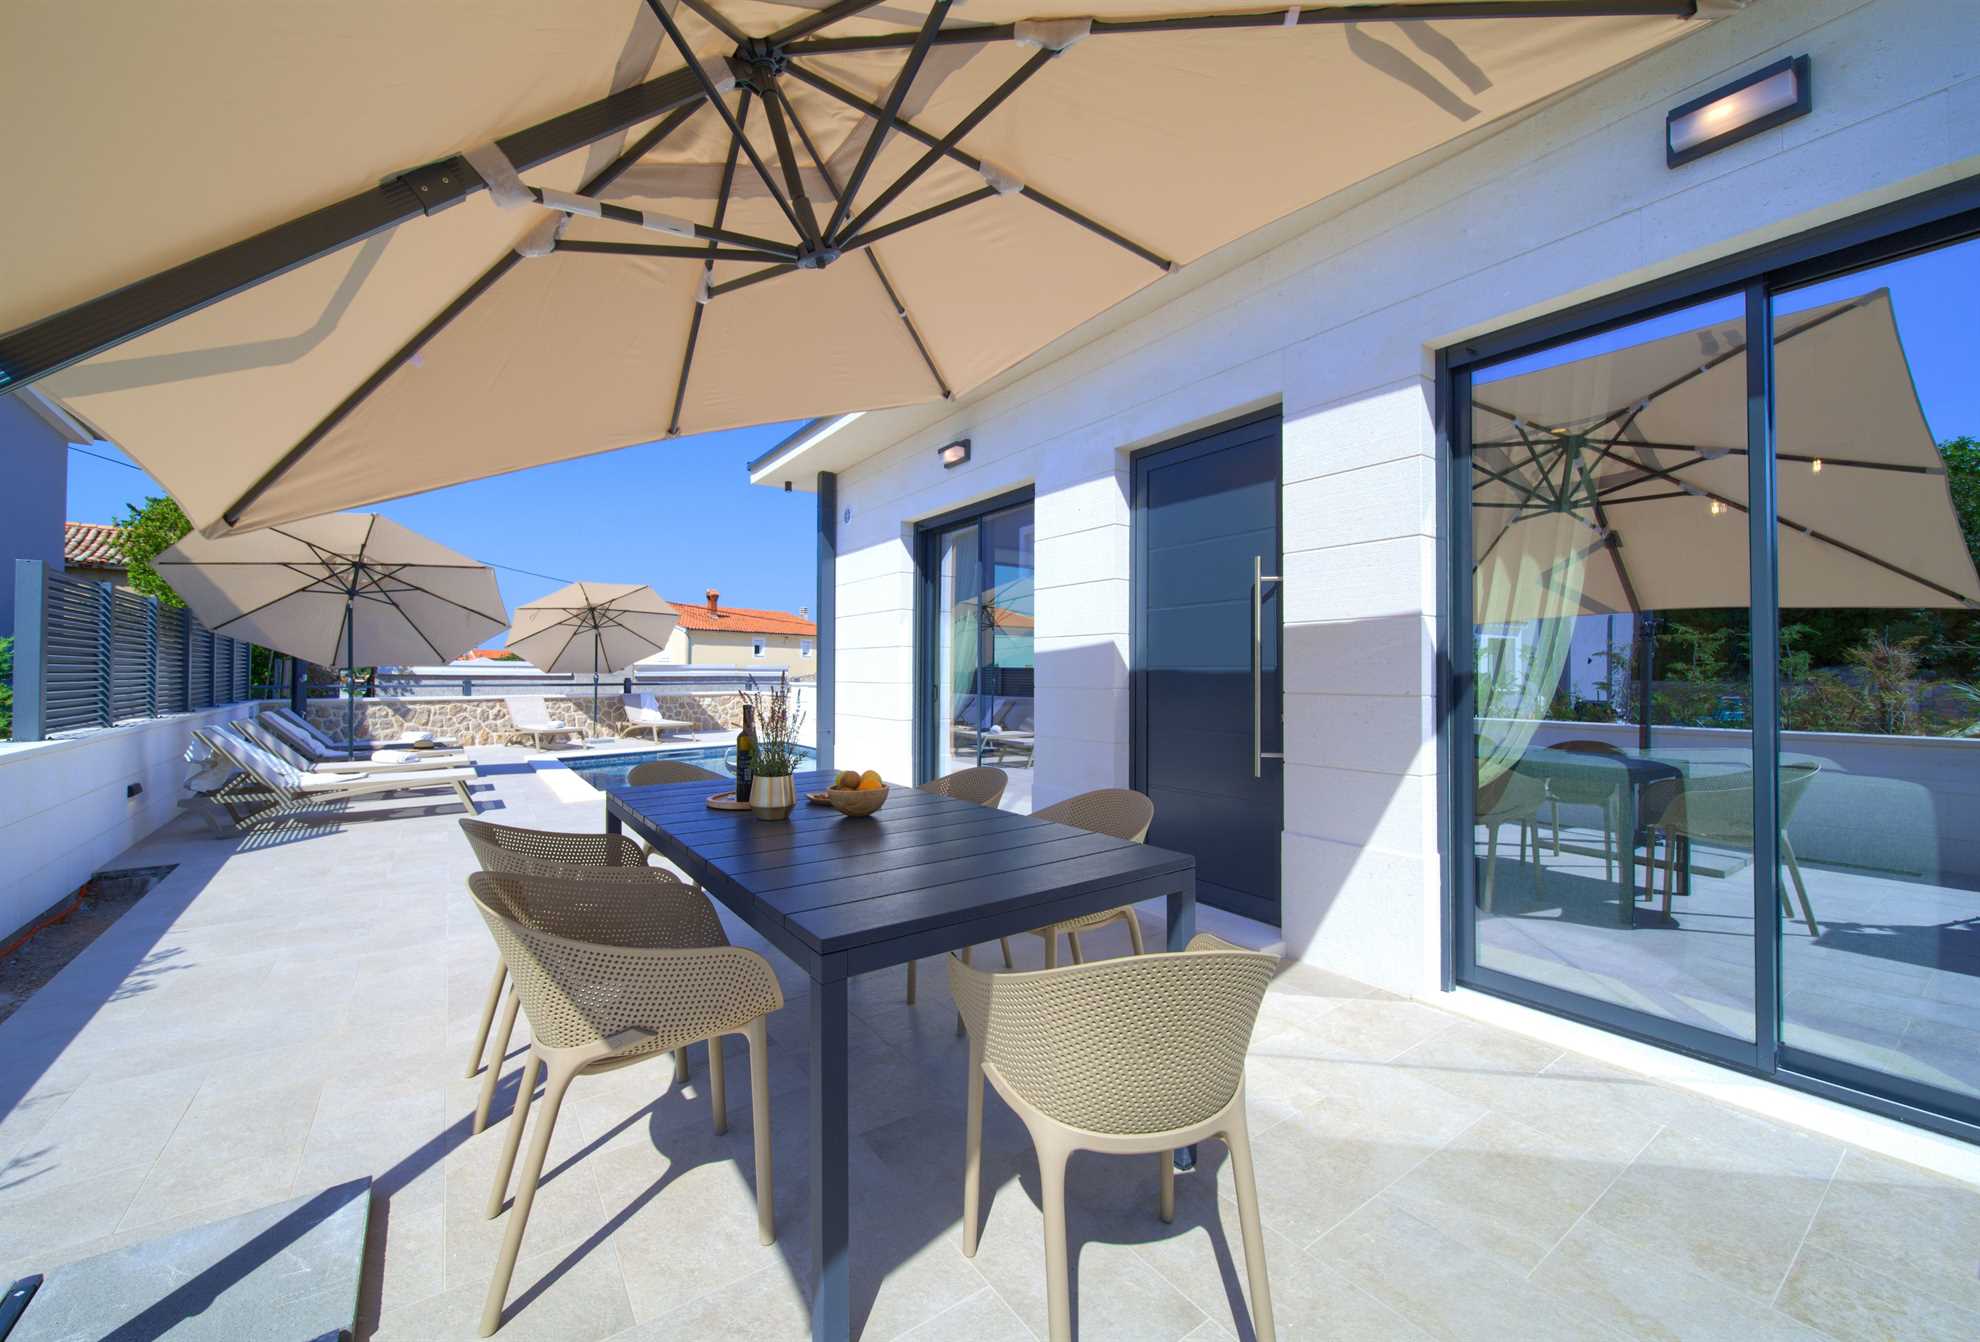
(842, 896)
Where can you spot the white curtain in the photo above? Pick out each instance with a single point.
(1526, 595)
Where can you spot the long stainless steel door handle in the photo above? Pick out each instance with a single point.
(1259, 577)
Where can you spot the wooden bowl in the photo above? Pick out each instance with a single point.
(856, 801)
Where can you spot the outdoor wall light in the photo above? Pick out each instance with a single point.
(1769, 96)
(954, 454)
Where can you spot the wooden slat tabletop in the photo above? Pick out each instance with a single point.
(894, 885)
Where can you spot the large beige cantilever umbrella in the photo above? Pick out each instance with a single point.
(1617, 483)
(375, 248)
(602, 625)
(332, 589)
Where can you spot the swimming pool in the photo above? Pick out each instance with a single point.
(603, 771)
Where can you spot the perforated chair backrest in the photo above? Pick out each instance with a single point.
(1722, 808)
(658, 773)
(983, 785)
(1121, 812)
(1147, 1043)
(544, 852)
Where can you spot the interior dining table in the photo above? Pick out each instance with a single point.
(841, 895)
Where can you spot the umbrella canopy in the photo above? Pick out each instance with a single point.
(1617, 483)
(333, 589)
(859, 206)
(597, 626)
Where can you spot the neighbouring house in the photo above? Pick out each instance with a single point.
(711, 634)
(1219, 544)
(90, 553)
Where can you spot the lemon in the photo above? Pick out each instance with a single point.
(870, 780)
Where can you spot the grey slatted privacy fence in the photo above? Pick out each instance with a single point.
(88, 655)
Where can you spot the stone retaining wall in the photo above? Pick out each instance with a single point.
(484, 721)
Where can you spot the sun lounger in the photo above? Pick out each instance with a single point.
(411, 740)
(287, 784)
(642, 716)
(312, 755)
(381, 762)
(530, 718)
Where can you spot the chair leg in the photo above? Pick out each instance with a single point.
(1491, 861)
(1166, 1162)
(680, 1065)
(539, 1146)
(1134, 933)
(467, 801)
(911, 978)
(1555, 803)
(718, 1086)
(1051, 948)
(512, 1136)
(758, 1034)
(495, 1062)
(1058, 1291)
(966, 952)
(1539, 871)
(1238, 1141)
(1005, 942)
(487, 1018)
(1078, 951)
(973, 1150)
(1800, 886)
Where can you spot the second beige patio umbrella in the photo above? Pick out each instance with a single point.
(600, 625)
(332, 589)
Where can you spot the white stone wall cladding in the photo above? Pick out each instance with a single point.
(483, 722)
(1335, 315)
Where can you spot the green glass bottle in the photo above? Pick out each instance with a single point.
(745, 754)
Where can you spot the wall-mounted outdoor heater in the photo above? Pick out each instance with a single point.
(953, 454)
(1764, 99)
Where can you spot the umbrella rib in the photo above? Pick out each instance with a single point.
(974, 164)
(715, 99)
(661, 249)
(872, 257)
(933, 212)
(708, 266)
(948, 37)
(625, 214)
(940, 149)
(408, 585)
(884, 121)
(716, 20)
(780, 136)
(464, 300)
(744, 281)
(811, 23)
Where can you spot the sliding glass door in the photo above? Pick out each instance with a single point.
(976, 646)
(1715, 621)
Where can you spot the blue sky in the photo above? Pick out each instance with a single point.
(680, 516)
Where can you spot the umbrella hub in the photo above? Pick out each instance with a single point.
(765, 62)
(816, 257)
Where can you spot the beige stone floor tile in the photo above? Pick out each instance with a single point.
(1443, 1286)
(1735, 1213)
(768, 1304)
(1505, 1188)
(1853, 1303)
(983, 1317)
(554, 1297)
(567, 1211)
(36, 1227)
(102, 1126)
(1905, 1222)
(1654, 1298)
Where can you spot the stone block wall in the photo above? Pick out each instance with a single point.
(485, 721)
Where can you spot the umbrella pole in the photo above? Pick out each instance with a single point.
(350, 675)
(597, 642)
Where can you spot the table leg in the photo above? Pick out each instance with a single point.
(1626, 859)
(612, 825)
(831, 1310)
(1182, 926)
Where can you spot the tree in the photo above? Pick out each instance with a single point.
(147, 531)
(1962, 458)
(6, 688)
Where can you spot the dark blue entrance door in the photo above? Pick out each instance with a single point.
(1205, 658)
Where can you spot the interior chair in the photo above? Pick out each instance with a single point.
(1128, 1057)
(542, 852)
(1720, 810)
(984, 786)
(1117, 811)
(658, 773)
(1590, 791)
(1514, 797)
(612, 973)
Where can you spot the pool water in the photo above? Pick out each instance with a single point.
(603, 771)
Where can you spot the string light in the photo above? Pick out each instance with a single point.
(1716, 508)
(1818, 466)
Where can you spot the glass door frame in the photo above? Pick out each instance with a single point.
(929, 715)
(1934, 219)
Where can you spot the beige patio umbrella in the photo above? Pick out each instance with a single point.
(332, 589)
(376, 248)
(600, 625)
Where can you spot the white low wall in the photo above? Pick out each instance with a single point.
(63, 809)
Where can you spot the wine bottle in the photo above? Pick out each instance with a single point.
(745, 753)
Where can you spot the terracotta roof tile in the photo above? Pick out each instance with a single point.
(697, 618)
(91, 545)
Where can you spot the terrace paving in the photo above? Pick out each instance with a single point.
(292, 1010)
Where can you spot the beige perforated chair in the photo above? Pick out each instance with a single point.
(1128, 1057)
(1120, 812)
(542, 852)
(658, 773)
(611, 973)
(985, 787)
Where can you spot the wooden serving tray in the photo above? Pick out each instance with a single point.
(726, 801)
